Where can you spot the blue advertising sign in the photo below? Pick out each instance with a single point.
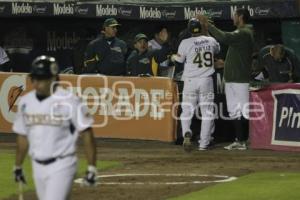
(286, 117)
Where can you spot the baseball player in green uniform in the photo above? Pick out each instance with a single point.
(236, 72)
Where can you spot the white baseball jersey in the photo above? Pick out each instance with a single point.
(3, 56)
(198, 55)
(52, 125)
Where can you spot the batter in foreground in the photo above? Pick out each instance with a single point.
(48, 123)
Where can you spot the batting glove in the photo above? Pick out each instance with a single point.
(91, 176)
(19, 175)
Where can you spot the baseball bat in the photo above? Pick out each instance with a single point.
(21, 191)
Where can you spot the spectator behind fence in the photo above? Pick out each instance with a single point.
(156, 43)
(4, 61)
(106, 54)
(279, 64)
(144, 61)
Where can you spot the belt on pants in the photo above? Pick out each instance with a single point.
(46, 162)
(51, 160)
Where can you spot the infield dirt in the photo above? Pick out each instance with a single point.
(138, 157)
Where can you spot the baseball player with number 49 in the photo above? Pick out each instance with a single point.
(197, 54)
(48, 123)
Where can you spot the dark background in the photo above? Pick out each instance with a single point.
(25, 38)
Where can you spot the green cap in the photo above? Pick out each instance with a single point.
(139, 37)
(110, 22)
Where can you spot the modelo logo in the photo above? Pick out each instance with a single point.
(286, 118)
(106, 11)
(40, 10)
(81, 11)
(215, 13)
(125, 12)
(56, 42)
(234, 8)
(169, 14)
(18, 41)
(150, 13)
(63, 9)
(262, 11)
(2, 8)
(190, 13)
(24, 8)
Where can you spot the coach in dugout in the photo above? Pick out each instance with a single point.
(279, 64)
(144, 61)
(236, 72)
(106, 54)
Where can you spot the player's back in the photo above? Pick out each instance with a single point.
(199, 56)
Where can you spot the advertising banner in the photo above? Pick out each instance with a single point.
(277, 125)
(123, 107)
(155, 11)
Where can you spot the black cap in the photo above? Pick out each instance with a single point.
(194, 26)
(111, 22)
(139, 37)
(44, 67)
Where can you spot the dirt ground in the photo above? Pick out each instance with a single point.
(160, 158)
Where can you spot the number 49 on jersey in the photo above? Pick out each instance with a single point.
(204, 59)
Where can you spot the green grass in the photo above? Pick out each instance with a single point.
(257, 186)
(7, 185)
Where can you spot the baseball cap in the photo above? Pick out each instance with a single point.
(110, 22)
(139, 37)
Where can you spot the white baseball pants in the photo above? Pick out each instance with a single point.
(237, 98)
(198, 92)
(54, 181)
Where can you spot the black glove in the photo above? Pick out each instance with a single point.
(19, 175)
(90, 176)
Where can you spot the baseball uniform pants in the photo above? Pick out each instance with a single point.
(54, 181)
(237, 97)
(198, 92)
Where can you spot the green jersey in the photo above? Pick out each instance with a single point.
(239, 55)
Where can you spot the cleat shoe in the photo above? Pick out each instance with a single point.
(187, 144)
(203, 148)
(236, 146)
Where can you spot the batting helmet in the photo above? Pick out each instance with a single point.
(194, 26)
(44, 67)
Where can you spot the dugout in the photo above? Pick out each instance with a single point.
(30, 28)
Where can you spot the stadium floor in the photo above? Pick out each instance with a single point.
(146, 164)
